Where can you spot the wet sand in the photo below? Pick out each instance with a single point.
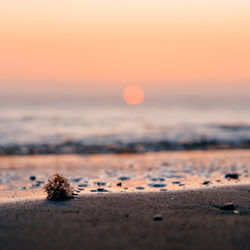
(149, 172)
(191, 219)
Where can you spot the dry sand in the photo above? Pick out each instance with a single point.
(191, 220)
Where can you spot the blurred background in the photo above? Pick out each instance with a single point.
(66, 71)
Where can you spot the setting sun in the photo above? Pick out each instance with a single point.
(133, 94)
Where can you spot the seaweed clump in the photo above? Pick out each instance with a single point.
(58, 188)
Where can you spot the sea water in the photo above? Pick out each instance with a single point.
(85, 125)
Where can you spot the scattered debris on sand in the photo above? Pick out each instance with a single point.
(32, 178)
(158, 217)
(124, 178)
(228, 206)
(232, 176)
(206, 183)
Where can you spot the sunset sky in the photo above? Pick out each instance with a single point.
(114, 43)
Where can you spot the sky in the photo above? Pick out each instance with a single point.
(107, 44)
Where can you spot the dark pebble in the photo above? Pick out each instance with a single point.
(123, 178)
(119, 184)
(100, 183)
(157, 217)
(36, 185)
(157, 185)
(102, 190)
(176, 182)
(83, 185)
(40, 182)
(174, 176)
(80, 189)
(157, 179)
(181, 185)
(229, 206)
(206, 183)
(163, 190)
(232, 176)
(75, 179)
(140, 188)
(32, 177)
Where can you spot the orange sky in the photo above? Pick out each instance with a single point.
(118, 42)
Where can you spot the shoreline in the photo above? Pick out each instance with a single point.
(41, 195)
(190, 218)
(23, 176)
(117, 148)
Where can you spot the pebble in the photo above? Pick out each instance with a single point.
(206, 183)
(32, 177)
(163, 190)
(176, 182)
(157, 179)
(140, 188)
(119, 184)
(157, 185)
(83, 185)
(232, 176)
(229, 206)
(158, 217)
(236, 212)
(36, 185)
(40, 182)
(102, 190)
(100, 183)
(75, 179)
(123, 178)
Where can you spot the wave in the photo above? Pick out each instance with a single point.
(71, 147)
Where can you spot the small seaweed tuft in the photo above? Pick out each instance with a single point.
(58, 188)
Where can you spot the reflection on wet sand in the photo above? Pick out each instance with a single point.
(22, 177)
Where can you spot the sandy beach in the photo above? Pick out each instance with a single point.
(190, 220)
(118, 197)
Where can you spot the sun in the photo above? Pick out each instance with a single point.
(133, 94)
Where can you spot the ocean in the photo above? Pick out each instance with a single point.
(91, 125)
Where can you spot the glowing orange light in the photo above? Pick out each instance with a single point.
(133, 94)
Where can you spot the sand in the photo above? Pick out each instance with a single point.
(191, 220)
(151, 171)
(123, 217)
